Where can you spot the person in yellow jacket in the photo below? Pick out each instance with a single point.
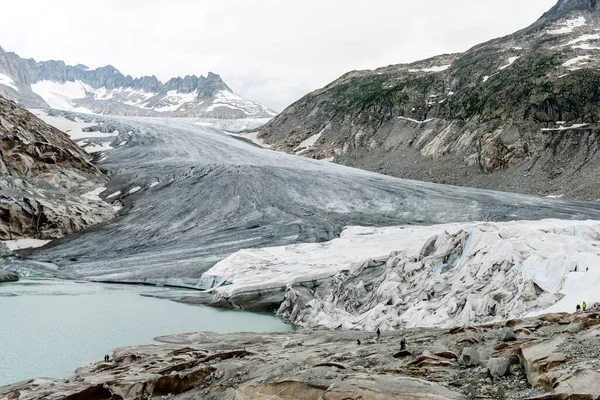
(583, 306)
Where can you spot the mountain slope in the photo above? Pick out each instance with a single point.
(518, 113)
(43, 177)
(52, 84)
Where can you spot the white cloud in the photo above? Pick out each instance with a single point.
(267, 50)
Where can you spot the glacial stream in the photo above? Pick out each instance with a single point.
(50, 327)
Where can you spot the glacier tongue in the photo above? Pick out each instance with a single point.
(440, 275)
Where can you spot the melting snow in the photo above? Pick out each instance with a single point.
(60, 95)
(98, 147)
(511, 60)
(93, 195)
(308, 143)
(438, 68)
(417, 121)
(568, 26)
(584, 38)
(8, 81)
(563, 128)
(173, 100)
(24, 243)
(573, 61)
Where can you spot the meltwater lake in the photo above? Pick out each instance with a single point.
(50, 327)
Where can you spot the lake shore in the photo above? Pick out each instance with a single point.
(554, 356)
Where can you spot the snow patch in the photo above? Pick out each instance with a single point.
(134, 189)
(417, 121)
(574, 61)
(115, 194)
(564, 128)
(93, 195)
(437, 68)
(511, 60)
(568, 26)
(98, 147)
(61, 95)
(308, 143)
(8, 81)
(27, 243)
(173, 100)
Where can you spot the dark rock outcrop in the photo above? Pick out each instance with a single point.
(43, 174)
(7, 276)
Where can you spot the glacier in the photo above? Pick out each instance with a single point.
(422, 276)
(189, 195)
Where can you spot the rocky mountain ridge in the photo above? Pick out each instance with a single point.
(105, 90)
(517, 113)
(44, 178)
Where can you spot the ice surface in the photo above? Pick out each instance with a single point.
(73, 128)
(8, 81)
(219, 194)
(473, 273)
(98, 147)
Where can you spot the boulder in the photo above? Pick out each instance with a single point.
(507, 335)
(469, 357)
(8, 276)
(498, 367)
(575, 327)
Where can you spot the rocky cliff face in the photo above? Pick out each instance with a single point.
(518, 113)
(105, 90)
(42, 177)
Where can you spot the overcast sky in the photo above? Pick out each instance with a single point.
(272, 51)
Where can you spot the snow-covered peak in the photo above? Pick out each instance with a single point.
(105, 90)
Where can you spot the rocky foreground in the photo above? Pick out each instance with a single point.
(554, 356)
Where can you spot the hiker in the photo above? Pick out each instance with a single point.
(584, 305)
(578, 308)
(403, 344)
(358, 341)
(378, 333)
(587, 269)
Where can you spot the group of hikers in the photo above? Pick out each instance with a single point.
(378, 333)
(582, 307)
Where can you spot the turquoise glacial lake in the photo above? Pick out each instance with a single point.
(50, 327)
